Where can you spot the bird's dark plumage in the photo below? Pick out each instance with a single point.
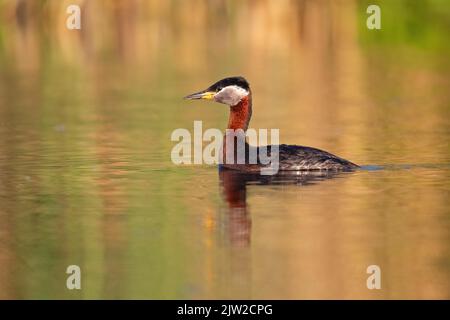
(231, 81)
(294, 157)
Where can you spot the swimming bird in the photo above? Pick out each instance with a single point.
(236, 93)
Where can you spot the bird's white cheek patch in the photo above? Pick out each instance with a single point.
(231, 95)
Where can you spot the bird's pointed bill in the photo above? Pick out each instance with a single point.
(207, 95)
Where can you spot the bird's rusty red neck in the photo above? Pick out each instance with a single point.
(240, 114)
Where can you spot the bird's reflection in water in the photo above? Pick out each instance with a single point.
(237, 219)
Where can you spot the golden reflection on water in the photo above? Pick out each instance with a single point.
(85, 170)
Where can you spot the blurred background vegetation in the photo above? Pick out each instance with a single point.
(85, 170)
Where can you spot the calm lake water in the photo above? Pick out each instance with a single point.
(86, 177)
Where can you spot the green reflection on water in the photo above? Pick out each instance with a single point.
(86, 176)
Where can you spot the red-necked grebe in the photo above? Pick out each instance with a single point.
(235, 92)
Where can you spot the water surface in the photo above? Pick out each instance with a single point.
(86, 176)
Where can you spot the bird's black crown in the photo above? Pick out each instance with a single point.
(231, 81)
